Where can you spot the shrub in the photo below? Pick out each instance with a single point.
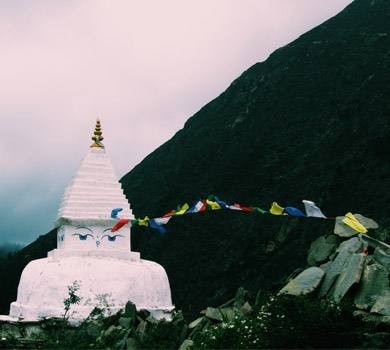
(287, 322)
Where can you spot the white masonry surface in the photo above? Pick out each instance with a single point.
(88, 253)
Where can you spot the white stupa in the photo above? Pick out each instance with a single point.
(100, 261)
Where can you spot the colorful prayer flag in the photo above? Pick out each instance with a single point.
(119, 224)
(198, 207)
(312, 210)
(294, 212)
(144, 221)
(243, 208)
(276, 209)
(170, 213)
(234, 207)
(352, 222)
(162, 221)
(182, 209)
(213, 205)
(115, 212)
(259, 210)
(159, 227)
(220, 202)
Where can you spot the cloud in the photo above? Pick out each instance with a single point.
(143, 66)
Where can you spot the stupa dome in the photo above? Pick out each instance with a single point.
(100, 261)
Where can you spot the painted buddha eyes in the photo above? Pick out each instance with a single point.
(112, 238)
(83, 237)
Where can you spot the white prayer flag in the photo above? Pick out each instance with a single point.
(312, 210)
(162, 221)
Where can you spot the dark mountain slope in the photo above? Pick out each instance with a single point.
(312, 121)
(11, 267)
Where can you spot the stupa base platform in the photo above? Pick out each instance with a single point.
(103, 281)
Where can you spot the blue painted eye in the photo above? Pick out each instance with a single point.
(112, 238)
(82, 237)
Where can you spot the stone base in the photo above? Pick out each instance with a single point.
(104, 282)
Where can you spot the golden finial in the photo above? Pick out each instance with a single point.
(97, 137)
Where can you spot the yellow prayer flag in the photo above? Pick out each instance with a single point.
(352, 222)
(183, 209)
(144, 221)
(213, 205)
(276, 209)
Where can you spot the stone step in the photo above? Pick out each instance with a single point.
(85, 203)
(81, 183)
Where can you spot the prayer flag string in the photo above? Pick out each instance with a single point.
(212, 203)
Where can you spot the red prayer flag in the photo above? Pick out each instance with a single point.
(120, 223)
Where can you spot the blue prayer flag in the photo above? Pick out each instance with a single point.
(294, 212)
(114, 212)
(160, 228)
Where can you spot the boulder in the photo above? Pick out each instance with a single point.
(228, 313)
(366, 222)
(352, 245)
(324, 266)
(112, 334)
(333, 271)
(214, 314)
(186, 345)
(381, 257)
(246, 309)
(121, 343)
(240, 297)
(343, 230)
(372, 242)
(130, 311)
(199, 326)
(382, 305)
(349, 275)
(373, 284)
(125, 322)
(141, 329)
(94, 328)
(321, 249)
(132, 344)
(33, 330)
(194, 323)
(305, 283)
(151, 319)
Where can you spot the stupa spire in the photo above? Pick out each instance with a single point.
(97, 137)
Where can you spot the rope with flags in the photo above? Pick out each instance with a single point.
(214, 203)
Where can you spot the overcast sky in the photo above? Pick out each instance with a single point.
(144, 66)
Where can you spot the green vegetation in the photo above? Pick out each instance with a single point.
(287, 322)
(72, 299)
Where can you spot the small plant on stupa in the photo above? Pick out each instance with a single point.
(72, 299)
